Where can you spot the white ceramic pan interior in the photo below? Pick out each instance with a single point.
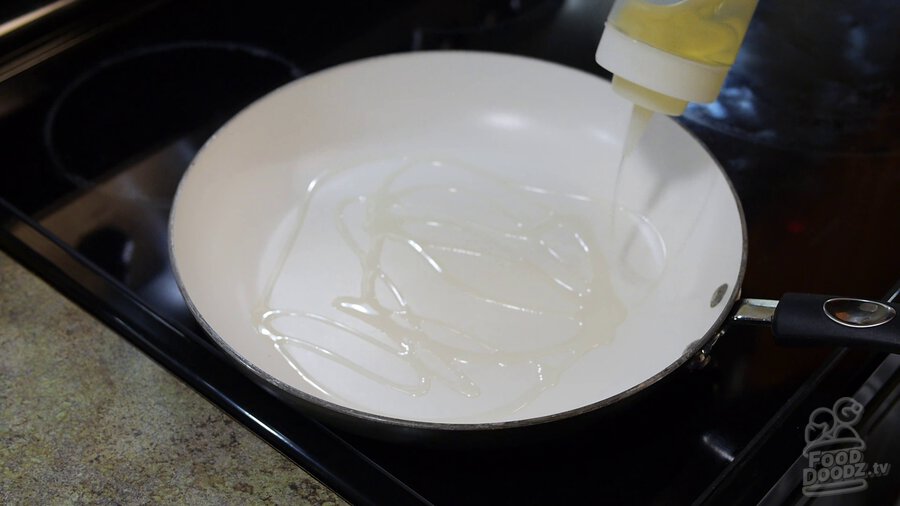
(429, 238)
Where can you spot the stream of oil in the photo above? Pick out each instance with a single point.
(461, 269)
(637, 125)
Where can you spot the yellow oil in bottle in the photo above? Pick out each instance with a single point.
(705, 31)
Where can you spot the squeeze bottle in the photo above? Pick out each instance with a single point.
(666, 53)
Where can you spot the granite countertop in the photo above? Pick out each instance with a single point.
(87, 418)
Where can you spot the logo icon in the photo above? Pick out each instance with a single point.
(836, 452)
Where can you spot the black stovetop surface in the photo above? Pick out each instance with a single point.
(102, 107)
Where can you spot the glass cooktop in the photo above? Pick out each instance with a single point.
(103, 106)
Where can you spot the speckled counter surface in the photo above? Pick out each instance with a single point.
(87, 418)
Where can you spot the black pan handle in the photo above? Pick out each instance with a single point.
(802, 318)
(807, 319)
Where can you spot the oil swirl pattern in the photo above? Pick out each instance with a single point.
(463, 278)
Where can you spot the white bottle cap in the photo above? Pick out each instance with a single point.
(654, 78)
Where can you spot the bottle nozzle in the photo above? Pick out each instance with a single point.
(655, 79)
(647, 98)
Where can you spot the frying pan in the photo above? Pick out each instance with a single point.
(436, 241)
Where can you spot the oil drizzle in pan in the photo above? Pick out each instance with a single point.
(463, 274)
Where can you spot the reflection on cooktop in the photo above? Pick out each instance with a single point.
(121, 226)
(483, 23)
(142, 96)
(808, 79)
